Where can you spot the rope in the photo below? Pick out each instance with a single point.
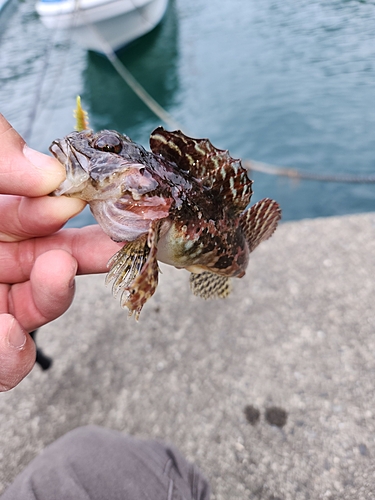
(46, 58)
(293, 173)
(137, 88)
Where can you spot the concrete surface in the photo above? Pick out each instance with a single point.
(298, 334)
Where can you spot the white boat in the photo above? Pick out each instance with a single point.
(97, 24)
(3, 4)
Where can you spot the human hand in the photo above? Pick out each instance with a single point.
(38, 261)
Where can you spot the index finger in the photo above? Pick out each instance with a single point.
(89, 245)
(24, 171)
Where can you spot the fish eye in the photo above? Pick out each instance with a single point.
(109, 143)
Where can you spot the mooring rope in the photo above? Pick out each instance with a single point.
(37, 98)
(136, 87)
(293, 173)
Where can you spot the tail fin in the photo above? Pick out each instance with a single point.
(260, 221)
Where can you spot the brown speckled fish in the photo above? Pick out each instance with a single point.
(185, 204)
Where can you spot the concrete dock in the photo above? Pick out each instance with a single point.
(271, 391)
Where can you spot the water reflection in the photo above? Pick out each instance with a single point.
(152, 60)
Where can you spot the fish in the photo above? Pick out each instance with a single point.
(185, 203)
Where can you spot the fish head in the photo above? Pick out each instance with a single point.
(113, 175)
(101, 165)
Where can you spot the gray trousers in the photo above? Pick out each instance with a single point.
(93, 463)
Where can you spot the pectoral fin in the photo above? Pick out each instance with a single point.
(210, 286)
(127, 264)
(135, 271)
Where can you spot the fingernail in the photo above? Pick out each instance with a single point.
(52, 172)
(42, 161)
(16, 335)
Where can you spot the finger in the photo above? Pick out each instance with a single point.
(90, 247)
(30, 217)
(25, 171)
(17, 352)
(48, 293)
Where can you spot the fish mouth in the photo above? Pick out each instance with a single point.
(76, 167)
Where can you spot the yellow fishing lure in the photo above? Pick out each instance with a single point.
(81, 116)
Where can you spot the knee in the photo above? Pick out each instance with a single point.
(78, 442)
(83, 433)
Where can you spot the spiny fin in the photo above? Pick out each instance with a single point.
(215, 168)
(144, 286)
(210, 286)
(260, 221)
(135, 271)
(127, 264)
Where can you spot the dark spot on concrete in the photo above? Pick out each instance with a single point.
(157, 309)
(252, 414)
(363, 450)
(276, 416)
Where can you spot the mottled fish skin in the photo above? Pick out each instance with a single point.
(185, 203)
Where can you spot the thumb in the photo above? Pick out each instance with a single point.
(25, 172)
(17, 352)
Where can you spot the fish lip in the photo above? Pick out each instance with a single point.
(74, 165)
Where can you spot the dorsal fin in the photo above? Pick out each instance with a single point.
(215, 168)
(260, 221)
(209, 285)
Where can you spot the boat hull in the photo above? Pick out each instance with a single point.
(95, 25)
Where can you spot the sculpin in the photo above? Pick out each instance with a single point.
(185, 203)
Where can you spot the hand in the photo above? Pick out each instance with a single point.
(38, 261)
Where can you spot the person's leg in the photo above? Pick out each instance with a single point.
(92, 463)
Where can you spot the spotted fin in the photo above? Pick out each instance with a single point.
(135, 271)
(210, 286)
(260, 221)
(215, 168)
(126, 264)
